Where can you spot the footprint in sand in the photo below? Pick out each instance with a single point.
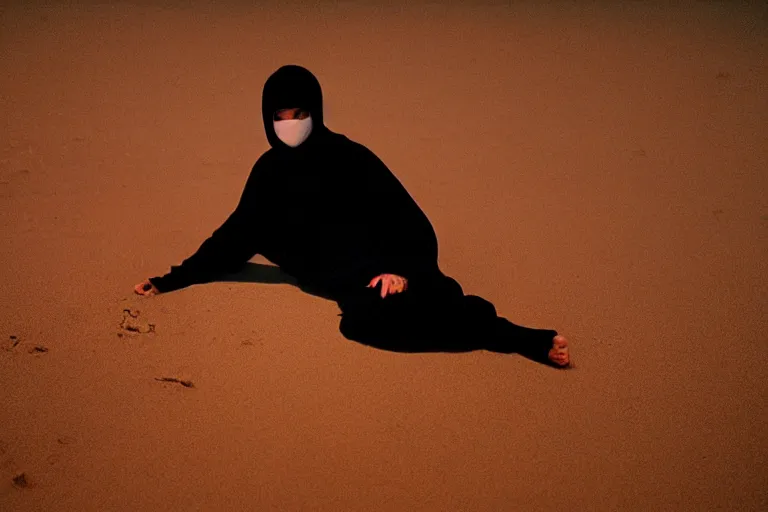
(14, 343)
(132, 323)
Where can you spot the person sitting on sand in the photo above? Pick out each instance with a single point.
(328, 212)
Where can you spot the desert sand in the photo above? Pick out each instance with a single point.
(597, 168)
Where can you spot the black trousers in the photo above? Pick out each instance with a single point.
(434, 315)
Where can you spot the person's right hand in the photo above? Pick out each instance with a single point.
(146, 288)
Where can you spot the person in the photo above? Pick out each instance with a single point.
(328, 212)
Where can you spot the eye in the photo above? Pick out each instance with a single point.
(282, 114)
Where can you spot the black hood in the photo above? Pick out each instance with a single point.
(292, 86)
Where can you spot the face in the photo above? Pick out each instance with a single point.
(290, 113)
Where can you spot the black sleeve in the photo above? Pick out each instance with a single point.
(226, 250)
(409, 243)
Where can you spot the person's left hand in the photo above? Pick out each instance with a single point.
(390, 283)
(146, 288)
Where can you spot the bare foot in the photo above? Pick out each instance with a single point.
(558, 354)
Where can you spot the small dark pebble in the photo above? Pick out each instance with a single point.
(20, 480)
(183, 382)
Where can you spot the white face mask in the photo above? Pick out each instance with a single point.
(293, 131)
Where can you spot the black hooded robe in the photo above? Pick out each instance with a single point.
(331, 214)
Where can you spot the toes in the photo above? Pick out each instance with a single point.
(558, 354)
(560, 358)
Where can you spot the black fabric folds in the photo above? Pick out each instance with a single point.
(329, 212)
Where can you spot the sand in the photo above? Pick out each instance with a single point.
(600, 169)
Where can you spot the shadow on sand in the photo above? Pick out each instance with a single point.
(267, 274)
(272, 274)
